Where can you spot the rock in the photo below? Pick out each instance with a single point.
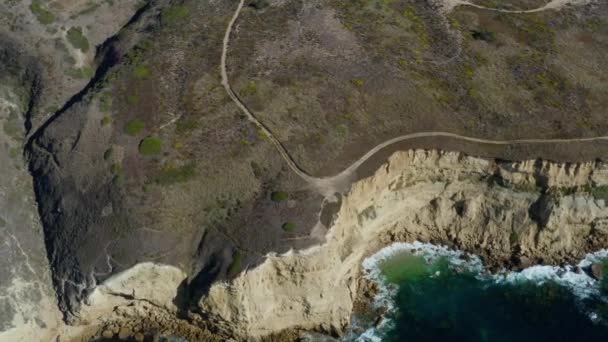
(597, 271)
(124, 333)
(139, 337)
(107, 334)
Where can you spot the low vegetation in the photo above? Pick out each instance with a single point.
(150, 146)
(105, 102)
(106, 120)
(171, 174)
(174, 14)
(289, 226)
(43, 15)
(480, 34)
(600, 192)
(134, 127)
(141, 71)
(77, 39)
(132, 99)
(185, 125)
(279, 196)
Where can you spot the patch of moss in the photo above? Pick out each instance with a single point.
(173, 14)
(43, 15)
(150, 146)
(77, 39)
(235, 266)
(289, 226)
(171, 175)
(134, 126)
(279, 196)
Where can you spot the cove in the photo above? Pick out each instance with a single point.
(436, 294)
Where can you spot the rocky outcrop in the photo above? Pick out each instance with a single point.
(511, 214)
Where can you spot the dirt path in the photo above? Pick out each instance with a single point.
(555, 4)
(328, 186)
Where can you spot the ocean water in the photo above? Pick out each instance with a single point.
(432, 293)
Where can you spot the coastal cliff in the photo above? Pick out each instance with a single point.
(511, 214)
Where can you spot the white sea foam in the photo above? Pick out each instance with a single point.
(574, 278)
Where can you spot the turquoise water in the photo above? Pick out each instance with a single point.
(437, 299)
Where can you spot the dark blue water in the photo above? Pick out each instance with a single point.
(437, 302)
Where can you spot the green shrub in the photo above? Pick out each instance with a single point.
(289, 226)
(134, 126)
(150, 146)
(171, 175)
(44, 16)
(77, 39)
(278, 196)
(173, 14)
(141, 71)
(115, 168)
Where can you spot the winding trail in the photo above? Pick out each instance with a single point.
(340, 182)
(554, 4)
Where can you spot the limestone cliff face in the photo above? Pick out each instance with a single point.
(512, 214)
